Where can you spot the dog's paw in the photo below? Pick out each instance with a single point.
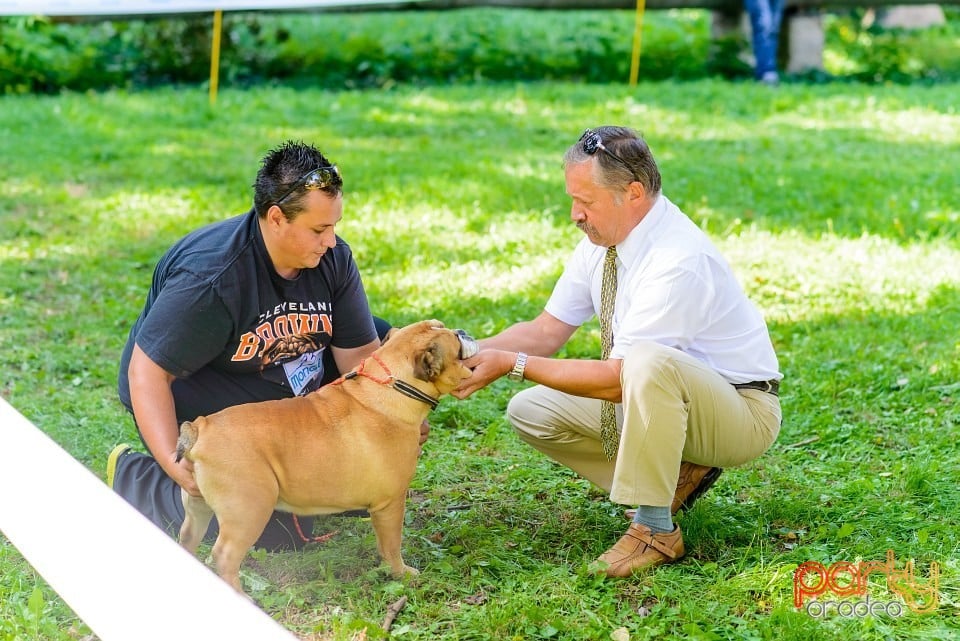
(406, 573)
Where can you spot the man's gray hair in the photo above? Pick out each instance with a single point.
(638, 163)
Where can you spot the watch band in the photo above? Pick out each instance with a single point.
(516, 374)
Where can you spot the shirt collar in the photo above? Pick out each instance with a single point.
(640, 237)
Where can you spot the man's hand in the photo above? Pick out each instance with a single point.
(182, 474)
(487, 366)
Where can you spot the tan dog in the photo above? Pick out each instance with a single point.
(350, 445)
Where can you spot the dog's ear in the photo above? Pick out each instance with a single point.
(429, 363)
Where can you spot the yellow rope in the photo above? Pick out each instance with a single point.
(635, 62)
(215, 55)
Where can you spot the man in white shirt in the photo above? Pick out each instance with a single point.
(688, 381)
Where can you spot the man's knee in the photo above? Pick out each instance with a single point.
(522, 412)
(648, 361)
(533, 417)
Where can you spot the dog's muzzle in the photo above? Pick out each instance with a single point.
(468, 346)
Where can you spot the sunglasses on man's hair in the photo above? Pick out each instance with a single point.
(314, 179)
(592, 143)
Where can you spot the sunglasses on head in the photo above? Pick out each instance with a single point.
(592, 143)
(314, 179)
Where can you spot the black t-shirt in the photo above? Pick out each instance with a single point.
(232, 330)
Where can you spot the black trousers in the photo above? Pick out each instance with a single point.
(141, 481)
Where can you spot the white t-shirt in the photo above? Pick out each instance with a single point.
(673, 287)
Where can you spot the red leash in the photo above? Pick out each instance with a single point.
(403, 387)
(383, 381)
(360, 372)
(316, 539)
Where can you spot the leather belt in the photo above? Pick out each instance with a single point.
(771, 386)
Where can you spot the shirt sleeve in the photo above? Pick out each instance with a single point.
(352, 321)
(570, 301)
(187, 326)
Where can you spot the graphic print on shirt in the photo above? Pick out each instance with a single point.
(294, 339)
(301, 356)
(288, 347)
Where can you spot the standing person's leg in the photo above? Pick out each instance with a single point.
(765, 16)
(776, 20)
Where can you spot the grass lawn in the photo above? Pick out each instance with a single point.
(838, 206)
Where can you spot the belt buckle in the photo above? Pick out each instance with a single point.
(768, 387)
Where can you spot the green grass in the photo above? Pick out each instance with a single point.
(383, 49)
(837, 205)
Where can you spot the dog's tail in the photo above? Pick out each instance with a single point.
(188, 437)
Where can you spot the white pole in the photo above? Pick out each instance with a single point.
(124, 577)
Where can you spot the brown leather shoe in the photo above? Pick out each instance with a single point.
(639, 548)
(694, 480)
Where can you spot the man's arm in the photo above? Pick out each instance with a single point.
(541, 338)
(579, 377)
(156, 416)
(347, 359)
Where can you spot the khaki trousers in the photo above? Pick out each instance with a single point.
(675, 408)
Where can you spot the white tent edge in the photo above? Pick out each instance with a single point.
(147, 7)
(119, 573)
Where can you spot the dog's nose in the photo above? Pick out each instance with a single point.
(468, 346)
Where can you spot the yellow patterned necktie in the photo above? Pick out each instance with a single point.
(608, 294)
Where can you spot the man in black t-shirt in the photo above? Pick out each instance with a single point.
(262, 306)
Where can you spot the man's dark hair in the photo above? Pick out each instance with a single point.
(280, 170)
(631, 149)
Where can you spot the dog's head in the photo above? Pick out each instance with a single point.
(432, 352)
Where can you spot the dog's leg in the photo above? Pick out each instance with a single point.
(197, 515)
(241, 524)
(388, 525)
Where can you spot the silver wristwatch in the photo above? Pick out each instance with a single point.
(516, 374)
